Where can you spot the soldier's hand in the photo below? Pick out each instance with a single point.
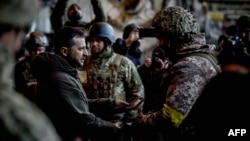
(142, 119)
(121, 103)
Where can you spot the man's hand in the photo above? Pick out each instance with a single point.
(133, 36)
(121, 103)
(148, 62)
(144, 119)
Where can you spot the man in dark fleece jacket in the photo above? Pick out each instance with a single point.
(60, 93)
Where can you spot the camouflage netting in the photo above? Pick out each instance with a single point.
(175, 20)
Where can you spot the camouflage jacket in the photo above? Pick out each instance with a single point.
(19, 119)
(185, 82)
(109, 78)
(23, 78)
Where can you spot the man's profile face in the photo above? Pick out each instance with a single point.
(78, 52)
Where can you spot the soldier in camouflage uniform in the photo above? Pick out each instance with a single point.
(192, 68)
(110, 75)
(19, 120)
(25, 83)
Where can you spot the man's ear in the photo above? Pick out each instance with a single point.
(64, 51)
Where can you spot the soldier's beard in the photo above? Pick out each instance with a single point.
(75, 16)
(73, 62)
(99, 54)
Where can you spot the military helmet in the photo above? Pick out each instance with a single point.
(36, 39)
(18, 13)
(175, 20)
(243, 22)
(102, 29)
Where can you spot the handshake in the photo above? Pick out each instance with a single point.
(131, 104)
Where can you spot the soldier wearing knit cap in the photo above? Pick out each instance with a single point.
(129, 44)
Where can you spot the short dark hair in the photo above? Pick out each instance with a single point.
(64, 37)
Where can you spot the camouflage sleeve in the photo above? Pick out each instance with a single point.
(133, 82)
(21, 121)
(20, 84)
(133, 85)
(185, 87)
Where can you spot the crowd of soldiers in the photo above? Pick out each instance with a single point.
(84, 90)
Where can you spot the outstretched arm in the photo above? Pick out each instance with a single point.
(57, 14)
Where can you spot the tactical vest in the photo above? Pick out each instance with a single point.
(99, 82)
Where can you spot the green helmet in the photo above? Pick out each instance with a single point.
(175, 20)
(18, 13)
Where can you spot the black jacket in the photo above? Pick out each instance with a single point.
(62, 98)
(132, 52)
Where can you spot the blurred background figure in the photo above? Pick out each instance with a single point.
(231, 32)
(153, 73)
(19, 120)
(75, 14)
(129, 44)
(237, 44)
(25, 83)
(243, 24)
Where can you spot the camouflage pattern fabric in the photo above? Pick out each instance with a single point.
(19, 119)
(187, 78)
(109, 80)
(175, 20)
(25, 82)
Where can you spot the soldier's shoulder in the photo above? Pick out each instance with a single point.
(125, 60)
(16, 112)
